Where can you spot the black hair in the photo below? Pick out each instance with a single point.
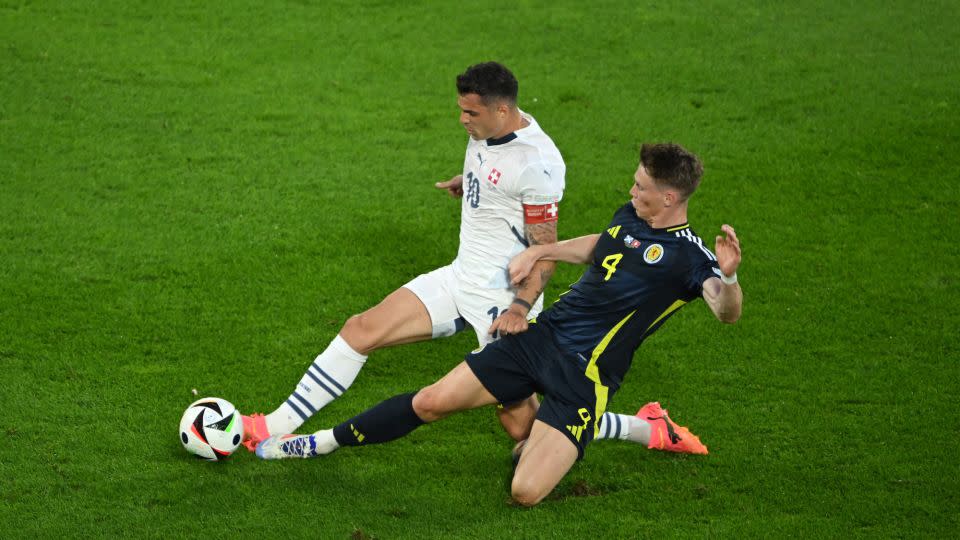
(491, 81)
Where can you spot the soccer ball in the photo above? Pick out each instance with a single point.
(211, 429)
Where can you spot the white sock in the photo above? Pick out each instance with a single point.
(326, 442)
(327, 378)
(624, 427)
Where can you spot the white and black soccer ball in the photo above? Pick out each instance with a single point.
(211, 428)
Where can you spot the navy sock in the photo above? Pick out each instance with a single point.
(384, 422)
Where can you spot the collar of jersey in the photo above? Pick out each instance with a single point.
(502, 140)
(674, 228)
(662, 230)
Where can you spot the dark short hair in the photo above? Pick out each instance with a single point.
(491, 81)
(671, 165)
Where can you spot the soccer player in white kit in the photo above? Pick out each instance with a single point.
(512, 182)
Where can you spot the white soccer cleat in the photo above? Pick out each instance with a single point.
(287, 446)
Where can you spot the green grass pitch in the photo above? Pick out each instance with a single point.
(196, 195)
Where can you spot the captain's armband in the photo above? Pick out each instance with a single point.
(540, 213)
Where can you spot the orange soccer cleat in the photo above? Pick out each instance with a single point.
(666, 435)
(254, 430)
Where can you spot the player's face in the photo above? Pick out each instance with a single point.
(647, 198)
(481, 121)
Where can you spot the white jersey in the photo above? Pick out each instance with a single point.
(499, 177)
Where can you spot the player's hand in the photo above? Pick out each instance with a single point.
(454, 186)
(728, 251)
(521, 266)
(509, 322)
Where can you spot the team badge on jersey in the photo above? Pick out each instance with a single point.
(631, 242)
(494, 176)
(653, 254)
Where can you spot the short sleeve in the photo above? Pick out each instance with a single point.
(541, 184)
(703, 267)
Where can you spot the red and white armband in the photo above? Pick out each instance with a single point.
(540, 213)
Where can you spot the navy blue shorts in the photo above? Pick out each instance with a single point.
(514, 367)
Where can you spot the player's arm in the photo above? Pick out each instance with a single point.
(514, 319)
(724, 295)
(531, 287)
(574, 251)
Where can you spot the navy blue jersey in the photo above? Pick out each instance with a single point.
(638, 278)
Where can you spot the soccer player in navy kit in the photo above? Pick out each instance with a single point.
(644, 267)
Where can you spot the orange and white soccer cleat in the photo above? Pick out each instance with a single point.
(667, 435)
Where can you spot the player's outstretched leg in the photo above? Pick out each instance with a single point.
(384, 422)
(400, 318)
(326, 379)
(389, 420)
(651, 427)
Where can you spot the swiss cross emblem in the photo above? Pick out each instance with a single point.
(552, 210)
(494, 176)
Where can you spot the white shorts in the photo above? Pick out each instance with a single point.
(452, 306)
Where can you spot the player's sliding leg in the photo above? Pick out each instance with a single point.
(386, 421)
(546, 458)
(400, 318)
(457, 391)
(651, 427)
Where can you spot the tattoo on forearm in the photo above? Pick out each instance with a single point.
(540, 233)
(545, 275)
(527, 285)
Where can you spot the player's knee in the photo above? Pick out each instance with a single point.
(430, 404)
(360, 334)
(526, 492)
